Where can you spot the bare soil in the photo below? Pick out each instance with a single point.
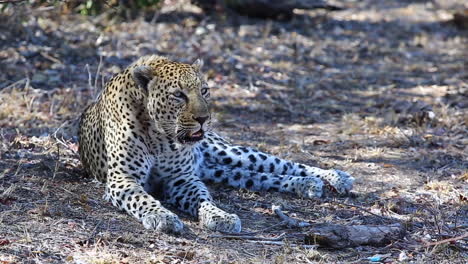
(378, 90)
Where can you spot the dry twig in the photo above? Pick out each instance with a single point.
(362, 209)
(281, 243)
(448, 240)
(286, 220)
(256, 232)
(232, 236)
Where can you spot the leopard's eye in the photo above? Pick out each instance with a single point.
(204, 91)
(179, 97)
(179, 94)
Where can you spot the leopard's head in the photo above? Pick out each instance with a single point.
(177, 98)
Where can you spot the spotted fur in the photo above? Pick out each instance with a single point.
(148, 135)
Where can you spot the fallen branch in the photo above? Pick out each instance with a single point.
(341, 236)
(327, 235)
(265, 8)
(330, 235)
(288, 221)
(448, 240)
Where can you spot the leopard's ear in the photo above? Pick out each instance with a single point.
(142, 75)
(198, 64)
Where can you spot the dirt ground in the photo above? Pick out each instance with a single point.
(379, 89)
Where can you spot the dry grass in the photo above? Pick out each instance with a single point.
(378, 90)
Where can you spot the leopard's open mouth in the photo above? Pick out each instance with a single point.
(191, 137)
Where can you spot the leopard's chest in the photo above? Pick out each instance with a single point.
(172, 164)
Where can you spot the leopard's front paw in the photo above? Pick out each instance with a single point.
(164, 221)
(340, 181)
(216, 219)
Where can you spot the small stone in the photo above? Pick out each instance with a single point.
(200, 31)
(402, 256)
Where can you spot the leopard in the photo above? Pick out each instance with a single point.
(148, 137)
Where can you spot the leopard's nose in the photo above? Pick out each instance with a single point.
(201, 119)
